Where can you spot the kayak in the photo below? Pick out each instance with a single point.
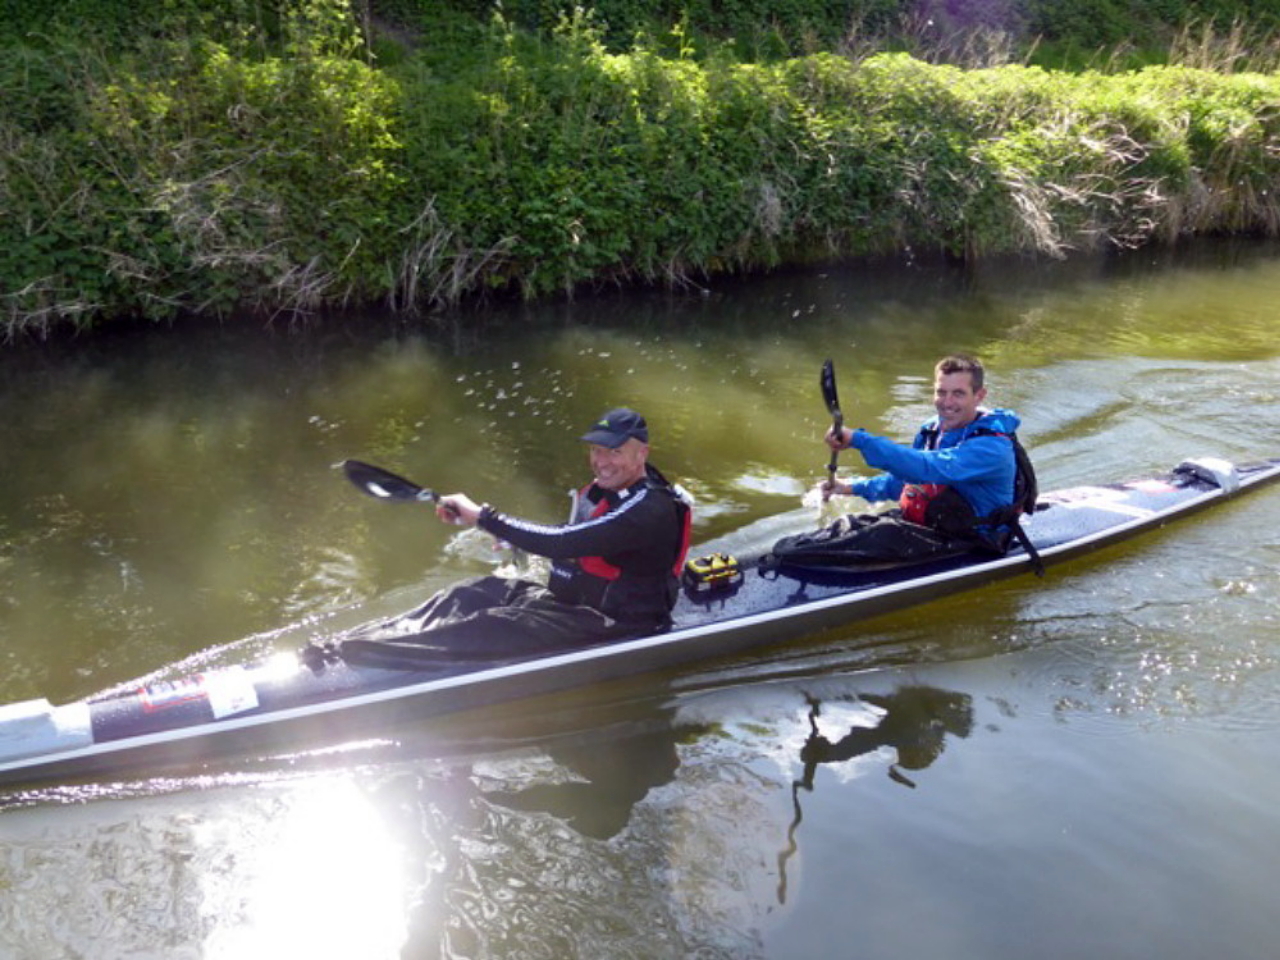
(731, 606)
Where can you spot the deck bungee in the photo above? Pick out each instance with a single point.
(737, 605)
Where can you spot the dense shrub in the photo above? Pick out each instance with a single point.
(183, 178)
(284, 167)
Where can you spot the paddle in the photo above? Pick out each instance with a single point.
(385, 485)
(828, 381)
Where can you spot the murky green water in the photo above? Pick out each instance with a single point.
(1083, 766)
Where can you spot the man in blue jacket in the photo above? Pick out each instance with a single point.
(958, 472)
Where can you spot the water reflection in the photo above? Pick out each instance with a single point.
(566, 850)
(323, 847)
(914, 722)
(309, 870)
(608, 779)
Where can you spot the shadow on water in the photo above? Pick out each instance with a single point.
(915, 723)
(610, 778)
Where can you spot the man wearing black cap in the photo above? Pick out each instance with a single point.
(615, 565)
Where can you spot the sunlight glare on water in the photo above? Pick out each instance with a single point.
(316, 873)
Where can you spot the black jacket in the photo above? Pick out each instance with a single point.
(642, 535)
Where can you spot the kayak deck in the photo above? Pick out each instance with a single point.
(1066, 522)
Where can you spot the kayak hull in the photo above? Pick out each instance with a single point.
(283, 702)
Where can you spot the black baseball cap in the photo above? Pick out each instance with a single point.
(617, 427)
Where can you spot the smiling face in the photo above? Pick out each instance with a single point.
(956, 400)
(620, 467)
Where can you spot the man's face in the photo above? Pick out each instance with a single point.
(616, 469)
(955, 399)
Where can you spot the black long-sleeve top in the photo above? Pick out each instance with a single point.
(640, 537)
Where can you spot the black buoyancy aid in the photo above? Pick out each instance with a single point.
(602, 568)
(941, 507)
(589, 579)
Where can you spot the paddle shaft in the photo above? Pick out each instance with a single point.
(837, 426)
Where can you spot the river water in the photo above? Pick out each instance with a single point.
(1086, 765)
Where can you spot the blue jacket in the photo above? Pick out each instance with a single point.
(980, 468)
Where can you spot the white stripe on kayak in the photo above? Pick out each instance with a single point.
(1121, 509)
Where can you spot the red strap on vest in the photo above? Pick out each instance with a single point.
(686, 537)
(599, 566)
(602, 568)
(915, 499)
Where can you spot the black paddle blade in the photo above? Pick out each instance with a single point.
(382, 484)
(829, 394)
(828, 382)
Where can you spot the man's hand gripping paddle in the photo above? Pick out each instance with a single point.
(385, 485)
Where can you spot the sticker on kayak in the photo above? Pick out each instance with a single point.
(228, 692)
(170, 693)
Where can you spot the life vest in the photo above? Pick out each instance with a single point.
(915, 499)
(598, 566)
(602, 569)
(942, 508)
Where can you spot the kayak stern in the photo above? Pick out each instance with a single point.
(35, 727)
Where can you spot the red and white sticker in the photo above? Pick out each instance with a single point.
(170, 693)
(228, 691)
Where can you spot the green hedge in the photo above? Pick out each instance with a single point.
(1078, 30)
(191, 176)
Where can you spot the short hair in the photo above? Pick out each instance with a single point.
(962, 363)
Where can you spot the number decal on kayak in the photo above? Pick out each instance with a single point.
(228, 692)
(167, 694)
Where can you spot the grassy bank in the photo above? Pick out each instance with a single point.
(293, 166)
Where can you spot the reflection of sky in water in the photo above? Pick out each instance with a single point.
(777, 484)
(319, 875)
(303, 870)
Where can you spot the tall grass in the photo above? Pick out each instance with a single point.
(190, 176)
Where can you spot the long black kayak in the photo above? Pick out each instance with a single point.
(290, 701)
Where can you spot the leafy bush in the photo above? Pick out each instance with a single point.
(276, 168)
(182, 178)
